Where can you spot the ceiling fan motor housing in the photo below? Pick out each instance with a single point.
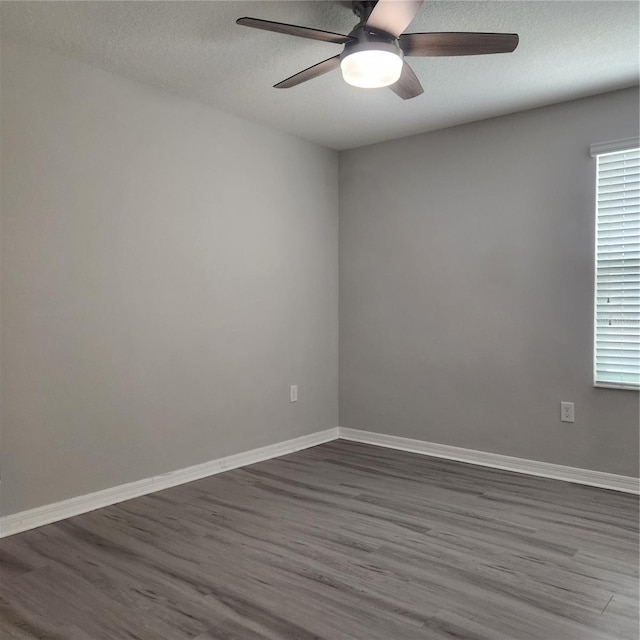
(368, 40)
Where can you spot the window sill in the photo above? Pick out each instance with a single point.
(616, 387)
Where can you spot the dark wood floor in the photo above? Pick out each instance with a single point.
(340, 542)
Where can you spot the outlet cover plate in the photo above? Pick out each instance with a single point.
(567, 412)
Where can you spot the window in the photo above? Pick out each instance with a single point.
(617, 277)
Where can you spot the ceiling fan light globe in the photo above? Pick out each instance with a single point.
(372, 68)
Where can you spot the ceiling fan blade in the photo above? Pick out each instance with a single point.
(393, 16)
(457, 44)
(310, 73)
(408, 86)
(294, 30)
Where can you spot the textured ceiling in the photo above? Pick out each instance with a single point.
(194, 49)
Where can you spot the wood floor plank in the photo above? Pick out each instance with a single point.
(342, 541)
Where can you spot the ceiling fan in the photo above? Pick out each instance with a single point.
(374, 51)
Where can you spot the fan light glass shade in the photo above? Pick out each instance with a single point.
(371, 69)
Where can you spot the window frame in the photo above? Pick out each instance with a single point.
(596, 150)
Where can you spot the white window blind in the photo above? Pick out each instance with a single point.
(617, 294)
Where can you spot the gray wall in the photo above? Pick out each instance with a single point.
(466, 274)
(167, 272)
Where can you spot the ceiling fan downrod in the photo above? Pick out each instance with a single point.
(362, 9)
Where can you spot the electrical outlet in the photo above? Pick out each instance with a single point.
(293, 393)
(567, 412)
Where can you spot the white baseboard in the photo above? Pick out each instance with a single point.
(626, 484)
(32, 518)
